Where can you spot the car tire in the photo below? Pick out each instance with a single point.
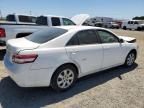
(130, 59)
(124, 27)
(64, 78)
(139, 29)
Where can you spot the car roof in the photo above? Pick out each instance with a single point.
(22, 15)
(78, 27)
(53, 16)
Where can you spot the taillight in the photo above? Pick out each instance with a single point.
(2, 32)
(21, 59)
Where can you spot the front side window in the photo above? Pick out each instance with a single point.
(67, 22)
(107, 37)
(55, 21)
(83, 38)
(136, 22)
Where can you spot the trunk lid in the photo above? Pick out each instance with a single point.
(14, 46)
(80, 19)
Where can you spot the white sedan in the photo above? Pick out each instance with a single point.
(58, 56)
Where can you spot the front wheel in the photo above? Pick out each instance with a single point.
(64, 78)
(130, 59)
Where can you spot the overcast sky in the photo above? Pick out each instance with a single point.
(110, 8)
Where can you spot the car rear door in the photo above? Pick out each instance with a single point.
(113, 50)
(85, 50)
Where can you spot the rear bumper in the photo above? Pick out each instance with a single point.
(24, 77)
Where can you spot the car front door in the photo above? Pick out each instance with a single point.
(85, 50)
(113, 50)
(135, 25)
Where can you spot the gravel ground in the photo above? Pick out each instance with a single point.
(118, 87)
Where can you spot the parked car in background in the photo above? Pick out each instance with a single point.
(10, 30)
(58, 56)
(113, 25)
(133, 25)
(20, 19)
(102, 22)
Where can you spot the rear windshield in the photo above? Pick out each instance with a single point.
(46, 35)
(10, 18)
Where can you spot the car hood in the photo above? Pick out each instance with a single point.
(128, 39)
(142, 24)
(115, 24)
(80, 19)
(16, 45)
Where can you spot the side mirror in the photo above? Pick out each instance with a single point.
(121, 40)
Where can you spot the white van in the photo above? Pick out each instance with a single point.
(133, 25)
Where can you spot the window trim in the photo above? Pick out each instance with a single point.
(108, 32)
(75, 35)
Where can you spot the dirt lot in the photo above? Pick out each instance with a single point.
(119, 87)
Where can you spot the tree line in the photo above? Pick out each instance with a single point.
(138, 18)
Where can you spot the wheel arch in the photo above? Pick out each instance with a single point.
(133, 50)
(68, 63)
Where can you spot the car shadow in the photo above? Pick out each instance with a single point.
(12, 96)
(2, 53)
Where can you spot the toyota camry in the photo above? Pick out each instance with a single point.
(58, 56)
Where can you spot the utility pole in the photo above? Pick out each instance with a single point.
(0, 14)
(30, 12)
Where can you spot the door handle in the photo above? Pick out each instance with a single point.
(107, 48)
(74, 51)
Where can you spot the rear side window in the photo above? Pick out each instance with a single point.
(55, 21)
(73, 41)
(41, 20)
(28, 19)
(132, 22)
(83, 38)
(46, 35)
(10, 18)
(129, 22)
(87, 37)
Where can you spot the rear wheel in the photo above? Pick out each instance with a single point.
(139, 29)
(130, 59)
(124, 27)
(64, 78)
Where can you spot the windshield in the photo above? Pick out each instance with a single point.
(46, 35)
(140, 22)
